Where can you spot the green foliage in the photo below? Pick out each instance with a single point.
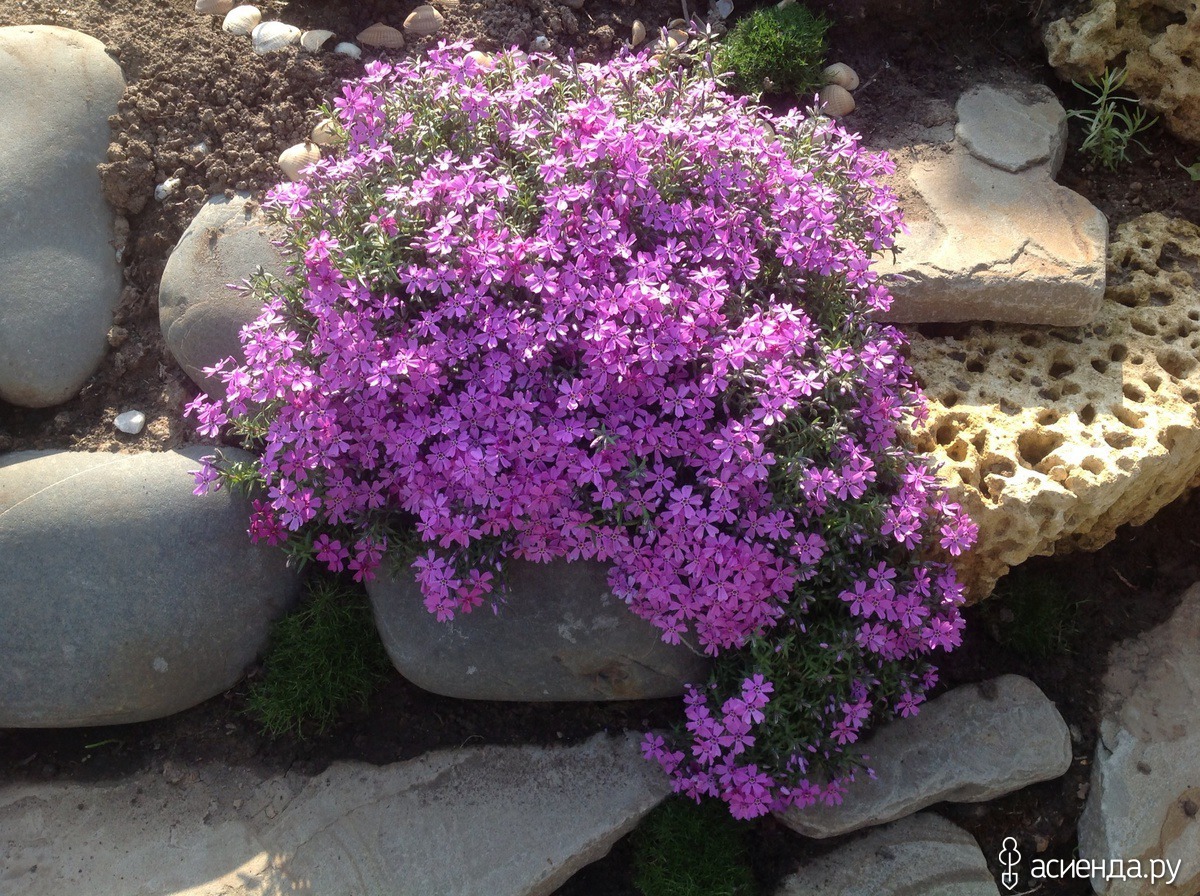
(1110, 126)
(776, 51)
(1193, 170)
(682, 849)
(324, 657)
(1034, 615)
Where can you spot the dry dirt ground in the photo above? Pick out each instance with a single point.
(191, 84)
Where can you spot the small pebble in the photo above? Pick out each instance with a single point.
(166, 188)
(130, 422)
(117, 336)
(348, 49)
(541, 43)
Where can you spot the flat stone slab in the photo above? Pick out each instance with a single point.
(200, 316)
(991, 235)
(60, 273)
(971, 744)
(124, 597)
(501, 821)
(560, 635)
(924, 855)
(1144, 799)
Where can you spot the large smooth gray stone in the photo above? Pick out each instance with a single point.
(60, 275)
(970, 745)
(487, 821)
(200, 316)
(124, 597)
(924, 855)
(1145, 786)
(562, 635)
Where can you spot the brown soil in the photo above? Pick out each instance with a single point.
(191, 84)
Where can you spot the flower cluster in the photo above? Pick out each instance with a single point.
(612, 312)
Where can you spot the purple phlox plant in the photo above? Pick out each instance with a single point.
(617, 314)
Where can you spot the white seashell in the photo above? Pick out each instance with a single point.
(325, 134)
(130, 422)
(448, 4)
(843, 75)
(296, 158)
(348, 49)
(677, 25)
(423, 21)
(482, 60)
(639, 33)
(836, 100)
(314, 40)
(676, 39)
(723, 8)
(241, 20)
(271, 36)
(166, 188)
(784, 4)
(541, 43)
(381, 35)
(213, 7)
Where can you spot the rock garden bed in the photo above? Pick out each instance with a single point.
(204, 116)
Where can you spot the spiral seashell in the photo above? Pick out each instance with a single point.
(271, 36)
(314, 40)
(381, 35)
(213, 7)
(843, 75)
(241, 20)
(423, 21)
(296, 158)
(325, 133)
(348, 49)
(639, 33)
(836, 100)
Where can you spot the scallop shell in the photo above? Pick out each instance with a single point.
(836, 100)
(314, 40)
(482, 60)
(348, 49)
(423, 21)
(325, 133)
(677, 24)
(381, 35)
(297, 157)
(676, 39)
(213, 7)
(271, 36)
(241, 20)
(843, 75)
(639, 33)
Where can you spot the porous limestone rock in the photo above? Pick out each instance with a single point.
(922, 854)
(991, 236)
(972, 744)
(1159, 41)
(1052, 438)
(500, 821)
(1145, 789)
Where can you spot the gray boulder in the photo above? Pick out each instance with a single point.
(924, 854)
(124, 596)
(971, 744)
(60, 275)
(489, 821)
(1145, 789)
(227, 242)
(561, 635)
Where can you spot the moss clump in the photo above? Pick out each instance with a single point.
(682, 849)
(323, 658)
(1033, 614)
(784, 48)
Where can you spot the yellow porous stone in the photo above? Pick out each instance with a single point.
(1051, 438)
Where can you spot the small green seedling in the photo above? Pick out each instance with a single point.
(1193, 170)
(1110, 125)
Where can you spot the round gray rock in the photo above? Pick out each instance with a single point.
(561, 635)
(60, 275)
(124, 597)
(227, 242)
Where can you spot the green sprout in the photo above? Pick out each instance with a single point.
(1110, 125)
